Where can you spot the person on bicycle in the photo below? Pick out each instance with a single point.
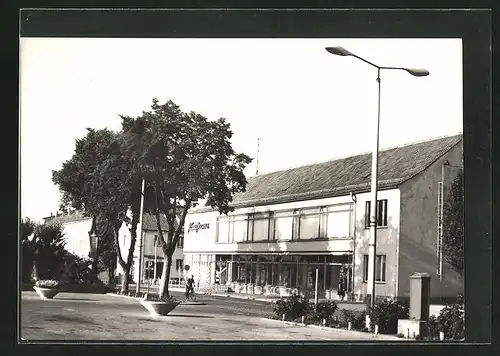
(190, 287)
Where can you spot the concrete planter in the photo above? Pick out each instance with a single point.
(158, 308)
(237, 288)
(46, 293)
(258, 290)
(250, 288)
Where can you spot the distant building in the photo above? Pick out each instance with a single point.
(289, 223)
(152, 262)
(76, 229)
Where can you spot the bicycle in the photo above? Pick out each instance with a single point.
(190, 295)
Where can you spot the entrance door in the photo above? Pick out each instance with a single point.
(221, 272)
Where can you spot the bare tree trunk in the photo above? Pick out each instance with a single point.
(165, 277)
(34, 271)
(126, 274)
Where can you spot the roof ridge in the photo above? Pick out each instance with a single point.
(356, 155)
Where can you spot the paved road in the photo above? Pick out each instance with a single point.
(101, 317)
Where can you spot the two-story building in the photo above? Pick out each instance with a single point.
(152, 255)
(291, 223)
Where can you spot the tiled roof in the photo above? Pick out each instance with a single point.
(341, 176)
(148, 220)
(61, 219)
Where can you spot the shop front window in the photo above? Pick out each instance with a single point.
(332, 276)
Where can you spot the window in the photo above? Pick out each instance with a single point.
(296, 224)
(180, 242)
(258, 227)
(309, 224)
(283, 226)
(381, 213)
(149, 270)
(380, 265)
(339, 221)
(240, 229)
(223, 229)
(155, 241)
(179, 264)
(323, 222)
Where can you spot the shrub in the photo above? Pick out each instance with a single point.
(322, 311)
(357, 319)
(451, 320)
(432, 328)
(386, 313)
(47, 283)
(293, 307)
(77, 271)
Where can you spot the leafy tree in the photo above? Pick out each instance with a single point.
(27, 248)
(453, 226)
(183, 158)
(27, 228)
(100, 181)
(49, 252)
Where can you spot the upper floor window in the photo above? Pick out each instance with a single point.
(381, 213)
(179, 264)
(258, 226)
(223, 224)
(282, 226)
(180, 241)
(333, 221)
(309, 224)
(380, 265)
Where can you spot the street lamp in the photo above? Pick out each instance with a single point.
(340, 51)
(94, 242)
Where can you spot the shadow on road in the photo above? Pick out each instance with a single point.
(69, 318)
(192, 316)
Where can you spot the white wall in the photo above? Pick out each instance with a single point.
(76, 234)
(387, 243)
(204, 240)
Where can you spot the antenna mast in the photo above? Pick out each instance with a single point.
(258, 148)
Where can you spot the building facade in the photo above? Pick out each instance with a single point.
(76, 229)
(149, 256)
(291, 225)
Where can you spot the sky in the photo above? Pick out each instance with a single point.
(303, 104)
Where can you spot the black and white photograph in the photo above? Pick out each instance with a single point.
(242, 189)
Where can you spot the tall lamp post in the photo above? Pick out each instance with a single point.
(372, 252)
(94, 244)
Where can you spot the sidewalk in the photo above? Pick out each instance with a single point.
(76, 317)
(260, 298)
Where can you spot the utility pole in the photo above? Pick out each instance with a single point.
(141, 237)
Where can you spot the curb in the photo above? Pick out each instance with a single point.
(355, 332)
(139, 299)
(123, 296)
